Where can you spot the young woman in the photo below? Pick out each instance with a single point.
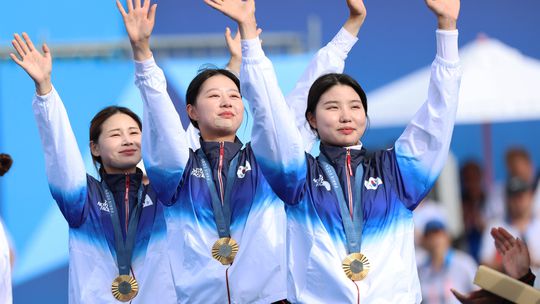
(117, 230)
(226, 226)
(350, 228)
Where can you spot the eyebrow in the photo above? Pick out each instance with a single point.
(118, 129)
(228, 90)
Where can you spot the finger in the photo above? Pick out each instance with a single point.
(18, 48)
(129, 5)
(228, 34)
(28, 42)
(16, 59)
(22, 45)
(121, 8)
(500, 248)
(461, 298)
(137, 4)
(152, 13)
(146, 4)
(213, 4)
(259, 31)
(505, 233)
(46, 50)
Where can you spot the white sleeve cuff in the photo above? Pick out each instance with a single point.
(343, 42)
(447, 45)
(46, 97)
(251, 48)
(145, 66)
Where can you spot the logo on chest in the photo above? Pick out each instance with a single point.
(104, 207)
(320, 182)
(147, 202)
(242, 170)
(372, 183)
(197, 172)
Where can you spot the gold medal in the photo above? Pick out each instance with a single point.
(124, 288)
(356, 266)
(224, 250)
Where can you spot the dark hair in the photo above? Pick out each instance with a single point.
(324, 83)
(5, 163)
(101, 117)
(197, 82)
(517, 153)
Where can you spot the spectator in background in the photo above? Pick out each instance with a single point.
(518, 164)
(5, 253)
(473, 199)
(520, 222)
(443, 267)
(516, 263)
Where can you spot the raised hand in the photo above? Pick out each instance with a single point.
(357, 15)
(139, 22)
(447, 12)
(38, 66)
(241, 11)
(514, 252)
(235, 50)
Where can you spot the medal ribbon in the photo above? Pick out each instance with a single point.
(124, 249)
(353, 226)
(222, 212)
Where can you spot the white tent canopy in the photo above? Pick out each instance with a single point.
(499, 84)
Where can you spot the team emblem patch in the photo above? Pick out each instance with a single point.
(320, 182)
(373, 183)
(242, 170)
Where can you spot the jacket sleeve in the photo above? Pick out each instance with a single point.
(329, 59)
(276, 141)
(164, 141)
(422, 149)
(64, 164)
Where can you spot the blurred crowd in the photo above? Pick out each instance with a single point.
(449, 262)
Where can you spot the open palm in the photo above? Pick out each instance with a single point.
(139, 19)
(238, 10)
(37, 65)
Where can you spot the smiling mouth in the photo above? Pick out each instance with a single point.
(226, 115)
(129, 152)
(346, 131)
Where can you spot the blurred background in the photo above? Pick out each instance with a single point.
(92, 68)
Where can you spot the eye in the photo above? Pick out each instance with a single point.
(332, 108)
(135, 133)
(235, 96)
(115, 135)
(214, 96)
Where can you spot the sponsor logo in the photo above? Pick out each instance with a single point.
(320, 182)
(104, 207)
(147, 202)
(197, 172)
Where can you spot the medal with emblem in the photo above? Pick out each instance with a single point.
(124, 288)
(356, 266)
(225, 250)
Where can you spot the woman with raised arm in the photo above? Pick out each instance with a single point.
(226, 225)
(350, 228)
(117, 244)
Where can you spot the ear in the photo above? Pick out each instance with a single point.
(312, 120)
(94, 148)
(192, 112)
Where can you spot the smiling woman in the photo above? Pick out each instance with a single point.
(113, 222)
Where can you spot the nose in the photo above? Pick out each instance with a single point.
(127, 140)
(344, 116)
(225, 101)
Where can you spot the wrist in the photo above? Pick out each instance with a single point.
(248, 28)
(141, 50)
(43, 87)
(446, 23)
(354, 23)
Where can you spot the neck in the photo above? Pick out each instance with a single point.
(522, 222)
(437, 259)
(111, 170)
(218, 138)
